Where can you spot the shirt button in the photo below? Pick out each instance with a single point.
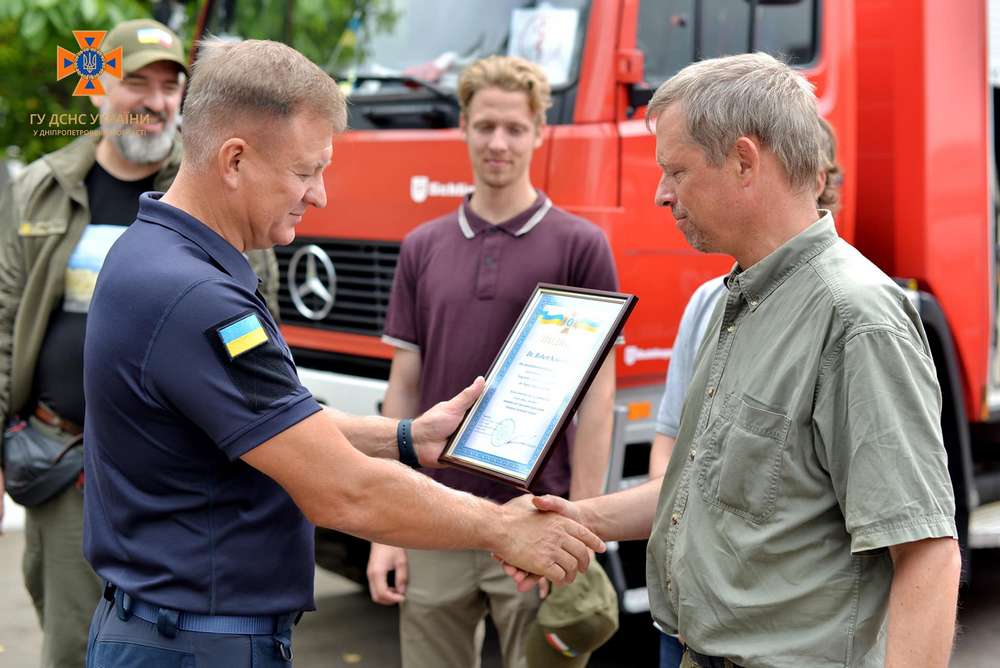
(731, 329)
(489, 262)
(711, 391)
(691, 455)
(670, 585)
(753, 303)
(675, 519)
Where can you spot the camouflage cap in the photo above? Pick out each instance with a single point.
(145, 41)
(573, 621)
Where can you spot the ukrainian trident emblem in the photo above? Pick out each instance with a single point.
(89, 63)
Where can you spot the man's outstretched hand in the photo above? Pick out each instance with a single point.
(432, 429)
(545, 544)
(525, 578)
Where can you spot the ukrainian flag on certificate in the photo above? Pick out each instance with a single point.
(245, 334)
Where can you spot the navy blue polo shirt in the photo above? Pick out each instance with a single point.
(184, 372)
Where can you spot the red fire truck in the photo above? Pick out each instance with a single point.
(903, 82)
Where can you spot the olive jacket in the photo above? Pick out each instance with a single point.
(43, 214)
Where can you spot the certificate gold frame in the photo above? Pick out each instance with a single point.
(537, 381)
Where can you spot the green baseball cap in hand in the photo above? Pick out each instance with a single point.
(573, 621)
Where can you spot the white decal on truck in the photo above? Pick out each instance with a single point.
(421, 187)
(635, 354)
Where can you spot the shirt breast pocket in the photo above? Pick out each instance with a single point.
(749, 462)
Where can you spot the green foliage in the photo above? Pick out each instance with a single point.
(317, 28)
(31, 30)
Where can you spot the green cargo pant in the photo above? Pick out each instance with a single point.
(63, 588)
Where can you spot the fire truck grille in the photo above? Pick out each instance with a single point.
(359, 291)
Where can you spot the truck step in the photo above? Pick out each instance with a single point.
(984, 526)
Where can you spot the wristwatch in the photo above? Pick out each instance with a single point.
(404, 441)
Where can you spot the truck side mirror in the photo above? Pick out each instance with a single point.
(629, 66)
(630, 70)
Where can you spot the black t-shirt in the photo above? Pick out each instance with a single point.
(59, 373)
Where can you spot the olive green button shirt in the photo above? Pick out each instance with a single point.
(810, 441)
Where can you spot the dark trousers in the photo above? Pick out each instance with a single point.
(135, 643)
(692, 659)
(671, 651)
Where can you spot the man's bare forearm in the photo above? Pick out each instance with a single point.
(592, 447)
(659, 454)
(422, 514)
(371, 434)
(922, 603)
(624, 515)
(337, 486)
(376, 436)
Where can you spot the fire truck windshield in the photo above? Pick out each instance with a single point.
(399, 60)
(432, 42)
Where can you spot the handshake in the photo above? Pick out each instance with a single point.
(538, 538)
(564, 550)
(534, 537)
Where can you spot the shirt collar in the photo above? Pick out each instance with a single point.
(232, 261)
(757, 282)
(471, 224)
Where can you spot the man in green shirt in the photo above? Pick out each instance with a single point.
(807, 516)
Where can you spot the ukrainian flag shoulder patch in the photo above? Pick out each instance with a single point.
(245, 333)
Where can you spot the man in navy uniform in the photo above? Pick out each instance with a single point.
(58, 219)
(206, 457)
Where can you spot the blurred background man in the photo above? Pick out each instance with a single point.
(460, 285)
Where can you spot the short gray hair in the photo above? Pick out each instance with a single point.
(752, 95)
(257, 79)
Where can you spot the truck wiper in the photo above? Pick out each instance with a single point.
(438, 92)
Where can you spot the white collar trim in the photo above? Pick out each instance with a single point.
(468, 233)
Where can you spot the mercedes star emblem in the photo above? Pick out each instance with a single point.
(320, 281)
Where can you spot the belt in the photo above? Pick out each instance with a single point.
(191, 621)
(47, 416)
(226, 624)
(706, 661)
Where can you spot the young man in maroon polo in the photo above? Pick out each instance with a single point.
(460, 285)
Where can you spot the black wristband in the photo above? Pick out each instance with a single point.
(404, 441)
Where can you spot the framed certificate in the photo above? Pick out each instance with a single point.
(537, 381)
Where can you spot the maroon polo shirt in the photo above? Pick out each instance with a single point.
(460, 285)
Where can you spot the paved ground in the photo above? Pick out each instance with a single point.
(346, 630)
(349, 630)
